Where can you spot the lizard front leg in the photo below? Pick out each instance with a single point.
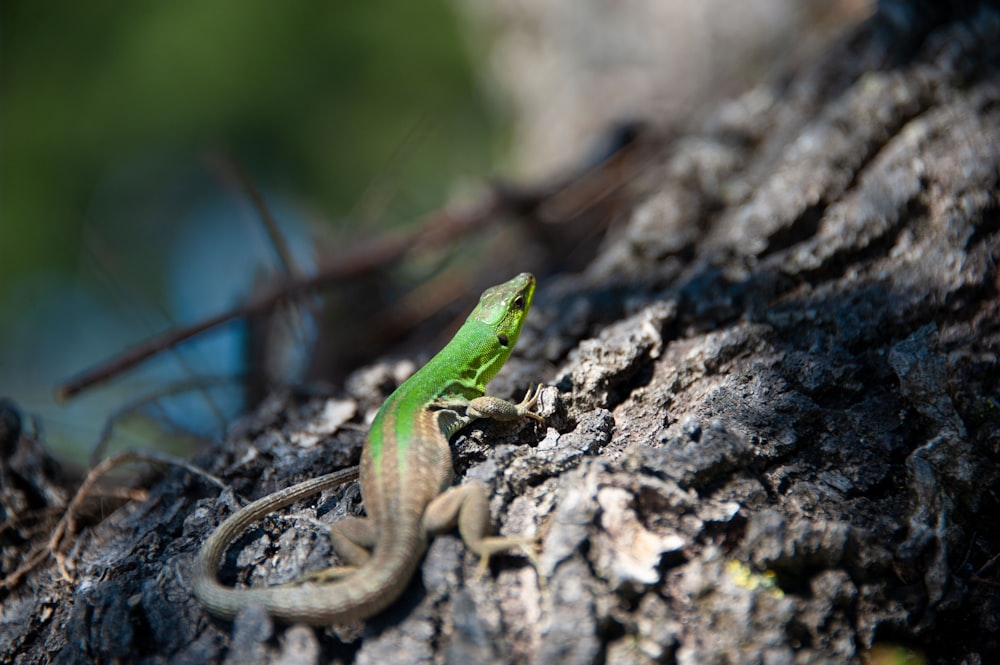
(496, 408)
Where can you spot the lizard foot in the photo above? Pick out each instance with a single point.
(524, 408)
(527, 545)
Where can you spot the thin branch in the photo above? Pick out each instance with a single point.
(67, 525)
(442, 226)
(237, 177)
(200, 384)
(576, 194)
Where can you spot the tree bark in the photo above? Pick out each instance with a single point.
(771, 422)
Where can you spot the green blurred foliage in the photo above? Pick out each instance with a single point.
(314, 98)
(108, 111)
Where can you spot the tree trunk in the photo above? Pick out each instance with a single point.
(771, 428)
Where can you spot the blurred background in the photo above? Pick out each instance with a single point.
(128, 132)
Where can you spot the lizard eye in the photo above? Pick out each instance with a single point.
(518, 304)
(502, 338)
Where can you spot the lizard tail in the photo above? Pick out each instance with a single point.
(362, 594)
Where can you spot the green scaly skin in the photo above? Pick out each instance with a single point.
(406, 474)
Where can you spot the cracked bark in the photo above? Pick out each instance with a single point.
(772, 421)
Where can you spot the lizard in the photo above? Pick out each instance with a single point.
(405, 476)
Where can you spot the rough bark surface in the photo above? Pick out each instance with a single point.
(772, 422)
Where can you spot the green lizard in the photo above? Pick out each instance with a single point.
(405, 474)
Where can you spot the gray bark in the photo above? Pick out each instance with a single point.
(771, 422)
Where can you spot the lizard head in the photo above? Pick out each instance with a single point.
(503, 309)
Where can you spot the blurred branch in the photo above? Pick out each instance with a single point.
(559, 203)
(441, 226)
